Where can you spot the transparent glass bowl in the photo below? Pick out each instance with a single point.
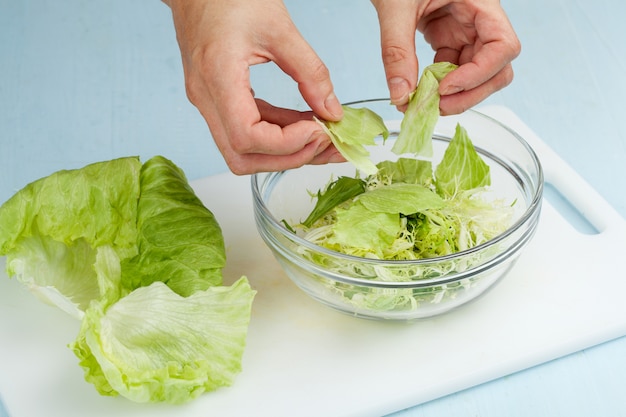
(357, 286)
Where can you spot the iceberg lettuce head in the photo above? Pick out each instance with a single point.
(130, 250)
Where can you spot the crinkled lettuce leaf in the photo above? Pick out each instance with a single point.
(422, 113)
(358, 128)
(77, 204)
(401, 198)
(407, 170)
(52, 229)
(154, 345)
(364, 231)
(179, 241)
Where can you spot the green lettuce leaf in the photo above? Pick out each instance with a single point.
(363, 231)
(422, 113)
(77, 204)
(338, 191)
(52, 230)
(401, 198)
(155, 346)
(358, 128)
(408, 170)
(461, 167)
(179, 241)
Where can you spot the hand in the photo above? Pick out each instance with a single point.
(474, 34)
(219, 40)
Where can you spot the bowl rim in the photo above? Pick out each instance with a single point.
(533, 209)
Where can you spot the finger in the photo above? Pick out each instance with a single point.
(461, 101)
(297, 59)
(329, 155)
(247, 142)
(245, 136)
(268, 146)
(397, 35)
(316, 151)
(447, 55)
(489, 61)
(496, 46)
(238, 129)
(227, 103)
(280, 116)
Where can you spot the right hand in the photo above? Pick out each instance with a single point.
(474, 34)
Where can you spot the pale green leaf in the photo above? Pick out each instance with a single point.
(422, 113)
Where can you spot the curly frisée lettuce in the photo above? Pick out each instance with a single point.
(129, 250)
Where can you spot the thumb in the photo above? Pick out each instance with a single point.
(397, 38)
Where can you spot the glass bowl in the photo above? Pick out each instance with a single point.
(360, 286)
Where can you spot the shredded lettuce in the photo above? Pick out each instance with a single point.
(128, 249)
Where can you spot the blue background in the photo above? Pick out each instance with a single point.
(83, 81)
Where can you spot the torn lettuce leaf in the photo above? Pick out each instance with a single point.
(358, 128)
(461, 167)
(401, 198)
(407, 170)
(422, 113)
(364, 231)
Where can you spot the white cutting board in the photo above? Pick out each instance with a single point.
(564, 294)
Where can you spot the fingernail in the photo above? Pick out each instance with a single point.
(333, 106)
(399, 90)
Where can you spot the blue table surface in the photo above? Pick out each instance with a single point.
(83, 81)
